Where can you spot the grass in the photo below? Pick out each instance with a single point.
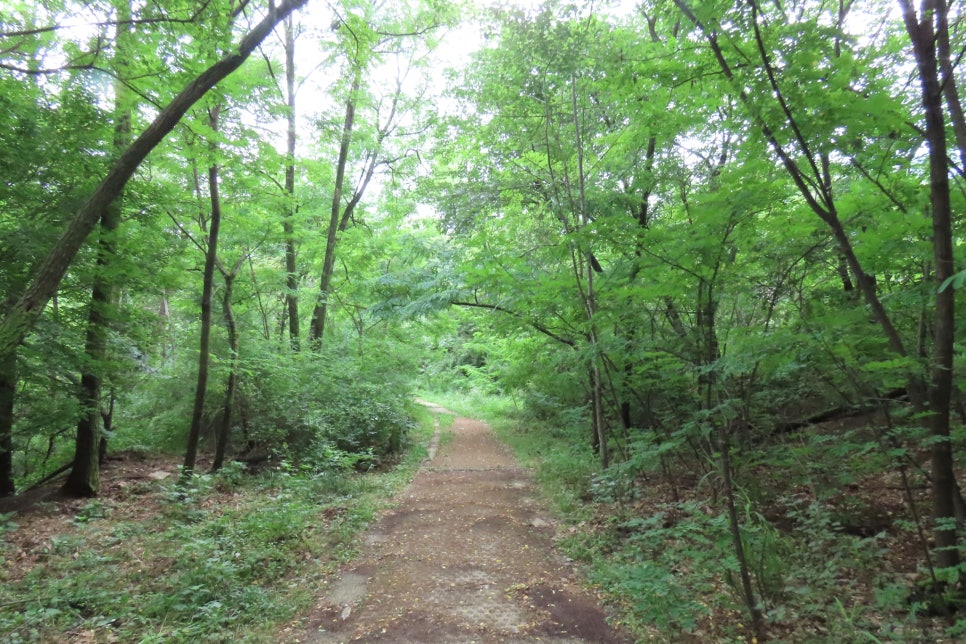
(232, 558)
(496, 411)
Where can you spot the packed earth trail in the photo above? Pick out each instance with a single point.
(466, 555)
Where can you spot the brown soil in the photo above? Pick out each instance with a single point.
(129, 492)
(465, 556)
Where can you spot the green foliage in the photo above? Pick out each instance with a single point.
(232, 556)
(604, 198)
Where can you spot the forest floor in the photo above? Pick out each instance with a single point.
(466, 555)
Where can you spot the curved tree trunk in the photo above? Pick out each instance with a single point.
(21, 317)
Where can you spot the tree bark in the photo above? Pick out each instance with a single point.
(949, 87)
(734, 525)
(336, 215)
(291, 274)
(8, 390)
(923, 36)
(224, 430)
(107, 417)
(211, 256)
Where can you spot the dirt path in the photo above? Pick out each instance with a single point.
(466, 556)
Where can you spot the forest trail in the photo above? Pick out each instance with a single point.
(466, 555)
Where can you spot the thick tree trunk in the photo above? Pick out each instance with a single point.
(211, 255)
(85, 475)
(21, 317)
(84, 478)
(291, 274)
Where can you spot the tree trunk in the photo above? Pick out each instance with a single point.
(224, 430)
(724, 464)
(84, 478)
(107, 416)
(21, 317)
(923, 35)
(8, 391)
(291, 274)
(336, 215)
(198, 413)
(949, 87)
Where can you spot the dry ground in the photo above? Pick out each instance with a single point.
(465, 556)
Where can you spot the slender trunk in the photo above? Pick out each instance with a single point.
(724, 464)
(224, 431)
(868, 288)
(197, 415)
(843, 270)
(923, 35)
(948, 84)
(288, 225)
(8, 392)
(598, 410)
(85, 476)
(107, 416)
(595, 433)
(721, 441)
(335, 215)
(590, 295)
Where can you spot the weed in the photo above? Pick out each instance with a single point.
(230, 557)
(7, 525)
(94, 509)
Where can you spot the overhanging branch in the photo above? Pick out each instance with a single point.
(536, 325)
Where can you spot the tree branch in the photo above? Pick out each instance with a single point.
(19, 33)
(536, 325)
(22, 315)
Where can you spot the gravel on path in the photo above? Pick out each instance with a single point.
(466, 555)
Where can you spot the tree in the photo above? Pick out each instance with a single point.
(20, 316)
(291, 272)
(208, 285)
(84, 477)
(929, 28)
(807, 155)
(367, 38)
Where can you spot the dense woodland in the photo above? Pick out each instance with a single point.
(704, 250)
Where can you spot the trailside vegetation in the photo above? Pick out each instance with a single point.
(709, 251)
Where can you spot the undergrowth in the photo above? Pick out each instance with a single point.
(666, 560)
(230, 558)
